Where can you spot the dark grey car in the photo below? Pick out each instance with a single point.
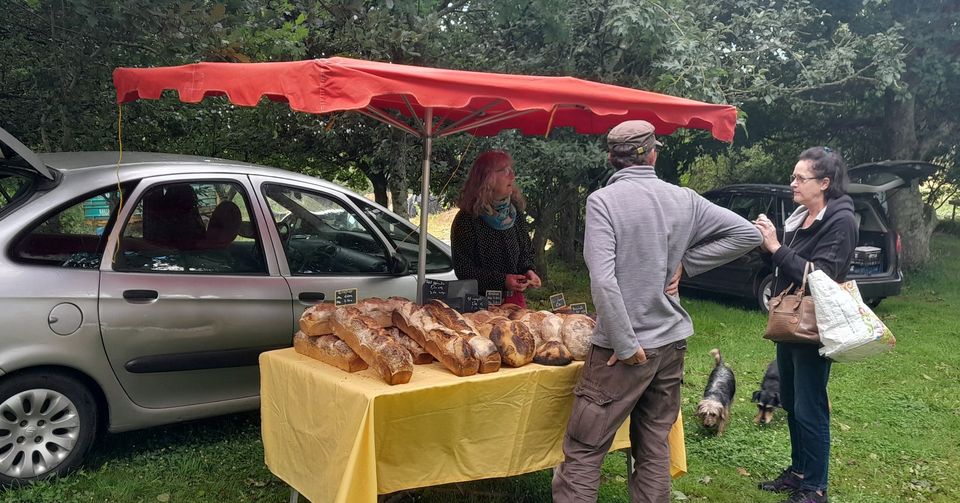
(141, 292)
(752, 275)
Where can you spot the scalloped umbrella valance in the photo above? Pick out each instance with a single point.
(429, 102)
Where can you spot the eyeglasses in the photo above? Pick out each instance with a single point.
(800, 179)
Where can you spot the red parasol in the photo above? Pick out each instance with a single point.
(429, 102)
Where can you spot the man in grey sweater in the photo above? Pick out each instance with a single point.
(641, 232)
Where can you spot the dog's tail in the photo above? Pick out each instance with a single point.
(715, 353)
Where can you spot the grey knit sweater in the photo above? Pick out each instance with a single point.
(638, 229)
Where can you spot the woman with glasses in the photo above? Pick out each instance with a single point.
(823, 231)
(489, 235)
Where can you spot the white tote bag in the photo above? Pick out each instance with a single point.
(849, 329)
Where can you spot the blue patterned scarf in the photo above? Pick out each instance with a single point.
(504, 216)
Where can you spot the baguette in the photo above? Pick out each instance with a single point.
(392, 361)
(449, 348)
(315, 319)
(330, 350)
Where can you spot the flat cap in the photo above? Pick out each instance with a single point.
(637, 133)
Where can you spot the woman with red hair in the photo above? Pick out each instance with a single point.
(489, 235)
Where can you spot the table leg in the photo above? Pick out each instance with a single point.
(629, 463)
(294, 495)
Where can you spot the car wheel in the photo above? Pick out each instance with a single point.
(764, 292)
(47, 424)
(873, 302)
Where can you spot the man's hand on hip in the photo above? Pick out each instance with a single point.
(637, 358)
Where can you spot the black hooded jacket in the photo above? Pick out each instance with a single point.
(828, 243)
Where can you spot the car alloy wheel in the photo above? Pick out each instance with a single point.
(764, 292)
(47, 423)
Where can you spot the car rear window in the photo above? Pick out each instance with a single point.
(14, 187)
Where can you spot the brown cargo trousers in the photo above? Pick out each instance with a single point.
(649, 393)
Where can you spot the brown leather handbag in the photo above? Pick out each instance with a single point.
(792, 317)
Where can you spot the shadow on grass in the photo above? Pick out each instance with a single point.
(193, 434)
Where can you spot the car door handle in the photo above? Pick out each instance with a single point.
(141, 296)
(311, 296)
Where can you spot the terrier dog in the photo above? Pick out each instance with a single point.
(714, 410)
(768, 397)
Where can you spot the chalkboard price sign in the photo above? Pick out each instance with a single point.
(435, 289)
(557, 301)
(495, 297)
(345, 297)
(578, 308)
(473, 303)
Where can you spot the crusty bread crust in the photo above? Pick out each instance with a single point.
(315, 319)
(577, 332)
(330, 350)
(369, 340)
(448, 347)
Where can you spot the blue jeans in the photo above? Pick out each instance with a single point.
(803, 393)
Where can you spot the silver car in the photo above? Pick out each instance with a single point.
(139, 292)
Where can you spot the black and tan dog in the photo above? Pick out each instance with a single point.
(767, 397)
(714, 410)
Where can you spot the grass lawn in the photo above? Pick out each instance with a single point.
(895, 423)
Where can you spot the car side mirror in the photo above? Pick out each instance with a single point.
(398, 265)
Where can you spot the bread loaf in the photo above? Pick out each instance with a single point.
(576, 333)
(381, 310)
(534, 322)
(551, 327)
(420, 355)
(553, 353)
(448, 347)
(484, 349)
(513, 340)
(368, 339)
(330, 350)
(315, 319)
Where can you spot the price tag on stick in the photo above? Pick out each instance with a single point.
(473, 303)
(578, 308)
(557, 301)
(345, 297)
(495, 297)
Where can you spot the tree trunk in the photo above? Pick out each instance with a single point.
(398, 199)
(567, 238)
(908, 215)
(379, 188)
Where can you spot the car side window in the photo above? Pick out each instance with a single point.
(72, 236)
(322, 236)
(406, 238)
(199, 228)
(750, 206)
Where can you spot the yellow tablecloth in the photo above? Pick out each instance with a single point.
(340, 437)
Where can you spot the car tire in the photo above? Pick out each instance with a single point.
(764, 292)
(48, 422)
(873, 302)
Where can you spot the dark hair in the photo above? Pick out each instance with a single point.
(827, 163)
(624, 155)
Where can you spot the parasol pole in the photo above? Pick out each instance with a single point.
(424, 202)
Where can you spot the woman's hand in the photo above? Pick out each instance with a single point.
(532, 279)
(770, 241)
(516, 282)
